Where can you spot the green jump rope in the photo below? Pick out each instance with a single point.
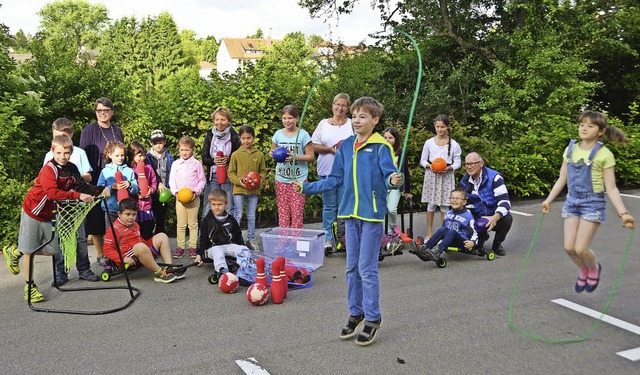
(594, 327)
(409, 121)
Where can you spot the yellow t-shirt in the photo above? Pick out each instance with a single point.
(603, 159)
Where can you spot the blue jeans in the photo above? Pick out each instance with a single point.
(448, 236)
(330, 203)
(252, 205)
(363, 286)
(82, 255)
(212, 185)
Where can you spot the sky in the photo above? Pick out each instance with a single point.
(218, 18)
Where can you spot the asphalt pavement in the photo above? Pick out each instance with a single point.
(450, 320)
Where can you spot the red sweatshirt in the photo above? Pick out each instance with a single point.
(126, 236)
(55, 182)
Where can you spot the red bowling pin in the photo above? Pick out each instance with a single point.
(277, 289)
(261, 278)
(122, 193)
(221, 170)
(293, 273)
(143, 183)
(283, 276)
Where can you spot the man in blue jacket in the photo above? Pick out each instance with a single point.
(487, 196)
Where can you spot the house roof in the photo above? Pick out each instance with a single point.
(20, 57)
(247, 48)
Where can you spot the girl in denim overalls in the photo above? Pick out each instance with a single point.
(587, 169)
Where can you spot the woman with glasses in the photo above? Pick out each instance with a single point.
(438, 185)
(93, 139)
(326, 139)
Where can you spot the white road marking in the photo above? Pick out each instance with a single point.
(630, 196)
(520, 213)
(251, 367)
(631, 354)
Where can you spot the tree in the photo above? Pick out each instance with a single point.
(76, 23)
(18, 102)
(257, 35)
(190, 47)
(150, 50)
(208, 48)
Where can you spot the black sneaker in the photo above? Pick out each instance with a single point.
(499, 250)
(60, 281)
(353, 326)
(369, 332)
(88, 275)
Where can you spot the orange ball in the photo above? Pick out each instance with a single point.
(438, 164)
(185, 195)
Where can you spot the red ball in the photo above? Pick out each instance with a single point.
(438, 164)
(228, 282)
(257, 294)
(251, 180)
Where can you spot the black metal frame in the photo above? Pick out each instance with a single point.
(134, 293)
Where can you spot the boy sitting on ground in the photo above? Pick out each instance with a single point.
(58, 179)
(137, 251)
(220, 234)
(457, 230)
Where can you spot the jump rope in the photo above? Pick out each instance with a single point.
(595, 325)
(409, 121)
(519, 330)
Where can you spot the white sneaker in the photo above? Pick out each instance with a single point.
(328, 244)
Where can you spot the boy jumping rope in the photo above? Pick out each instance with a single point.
(364, 166)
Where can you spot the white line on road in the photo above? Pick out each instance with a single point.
(630, 196)
(251, 367)
(520, 213)
(631, 354)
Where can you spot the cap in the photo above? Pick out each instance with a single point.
(157, 135)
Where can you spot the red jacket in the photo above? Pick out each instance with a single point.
(55, 182)
(127, 237)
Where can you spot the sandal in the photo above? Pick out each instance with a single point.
(103, 261)
(353, 326)
(368, 334)
(590, 287)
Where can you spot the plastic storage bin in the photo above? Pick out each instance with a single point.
(301, 246)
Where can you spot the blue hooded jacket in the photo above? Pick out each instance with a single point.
(365, 174)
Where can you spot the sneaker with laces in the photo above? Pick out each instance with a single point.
(178, 253)
(499, 250)
(36, 296)
(12, 256)
(395, 231)
(192, 252)
(353, 326)
(180, 274)
(60, 280)
(162, 276)
(368, 334)
(434, 252)
(253, 244)
(88, 275)
(328, 244)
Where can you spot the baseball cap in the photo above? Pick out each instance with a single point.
(157, 135)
